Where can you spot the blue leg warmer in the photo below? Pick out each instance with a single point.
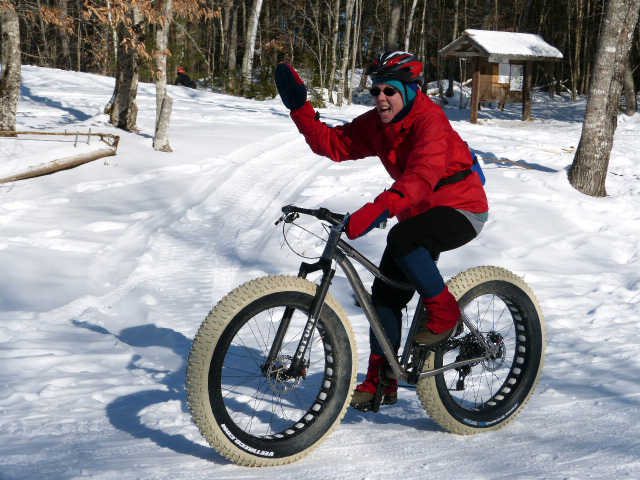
(422, 272)
(391, 319)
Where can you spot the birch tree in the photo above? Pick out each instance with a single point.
(250, 44)
(345, 55)
(163, 101)
(407, 36)
(10, 77)
(355, 45)
(335, 30)
(590, 164)
(233, 41)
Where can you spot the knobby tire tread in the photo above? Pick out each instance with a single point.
(206, 341)
(427, 389)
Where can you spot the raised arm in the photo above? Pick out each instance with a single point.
(345, 142)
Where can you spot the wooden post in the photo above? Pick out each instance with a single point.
(526, 91)
(475, 90)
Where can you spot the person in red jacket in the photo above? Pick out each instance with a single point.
(438, 199)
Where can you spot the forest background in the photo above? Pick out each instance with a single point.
(233, 46)
(328, 41)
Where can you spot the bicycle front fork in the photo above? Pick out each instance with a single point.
(298, 366)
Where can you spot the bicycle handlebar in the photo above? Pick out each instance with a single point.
(290, 213)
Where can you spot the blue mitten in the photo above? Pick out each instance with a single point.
(290, 86)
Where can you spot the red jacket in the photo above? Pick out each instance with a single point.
(417, 151)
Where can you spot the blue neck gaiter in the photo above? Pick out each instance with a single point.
(408, 90)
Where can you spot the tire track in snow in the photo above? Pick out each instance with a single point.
(202, 232)
(243, 208)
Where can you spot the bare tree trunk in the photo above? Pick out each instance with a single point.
(452, 61)
(486, 15)
(629, 90)
(525, 17)
(393, 38)
(586, 57)
(250, 43)
(407, 36)
(45, 56)
(233, 48)
(354, 46)
(163, 101)
(124, 111)
(590, 164)
(225, 20)
(345, 55)
(161, 138)
(10, 77)
(335, 24)
(422, 48)
(79, 41)
(65, 61)
(575, 67)
(315, 20)
(233, 39)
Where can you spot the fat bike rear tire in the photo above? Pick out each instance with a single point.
(250, 411)
(487, 395)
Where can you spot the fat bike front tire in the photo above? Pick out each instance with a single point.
(250, 411)
(489, 394)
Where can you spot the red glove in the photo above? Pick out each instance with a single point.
(372, 215)
(365, 219)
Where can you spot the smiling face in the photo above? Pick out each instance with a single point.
(388, 106)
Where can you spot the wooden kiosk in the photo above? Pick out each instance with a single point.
(501, 65)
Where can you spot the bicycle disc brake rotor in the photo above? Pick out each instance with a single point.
(496, 361)
(279, 381)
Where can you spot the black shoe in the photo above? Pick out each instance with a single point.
(364, 400)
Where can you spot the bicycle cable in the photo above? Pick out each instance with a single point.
(286, 241)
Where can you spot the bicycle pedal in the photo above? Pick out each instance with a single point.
(363, 407)
(368, 406)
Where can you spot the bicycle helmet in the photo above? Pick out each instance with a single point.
(397, 65)
(181, 70)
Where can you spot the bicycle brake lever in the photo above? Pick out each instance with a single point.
(282, 217)
(288, 217)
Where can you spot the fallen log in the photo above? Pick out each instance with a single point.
(60, 164)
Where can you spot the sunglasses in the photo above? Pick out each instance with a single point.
(388, 91)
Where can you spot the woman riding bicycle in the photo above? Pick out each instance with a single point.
(438, 200)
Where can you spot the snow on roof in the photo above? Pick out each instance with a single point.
(506, 45)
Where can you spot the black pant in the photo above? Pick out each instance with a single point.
(438, 230)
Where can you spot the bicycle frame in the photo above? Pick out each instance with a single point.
(338, 250)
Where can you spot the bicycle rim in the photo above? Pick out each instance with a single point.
(250, 410)
(489, 393)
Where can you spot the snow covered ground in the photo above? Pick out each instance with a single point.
(108, 269)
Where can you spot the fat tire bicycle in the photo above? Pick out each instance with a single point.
(273, 365)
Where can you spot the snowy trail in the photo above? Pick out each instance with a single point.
(108, 270)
